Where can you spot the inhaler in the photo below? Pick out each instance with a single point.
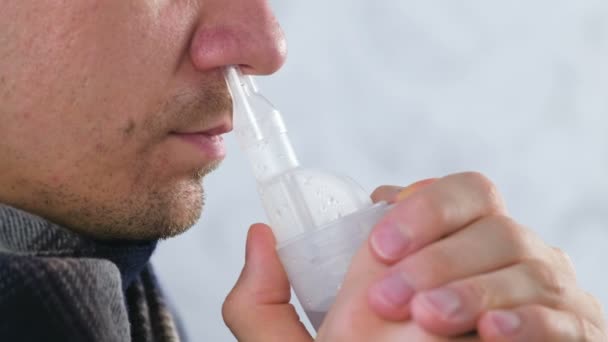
(319, 219)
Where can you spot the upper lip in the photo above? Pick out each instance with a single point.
(221, 127)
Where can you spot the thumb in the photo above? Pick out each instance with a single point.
(257, 308)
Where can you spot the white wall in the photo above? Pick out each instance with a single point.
(394, 91)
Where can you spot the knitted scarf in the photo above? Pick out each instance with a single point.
(56, 285)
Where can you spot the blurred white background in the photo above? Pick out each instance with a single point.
(390, 92)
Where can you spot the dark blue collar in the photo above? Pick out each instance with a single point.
(27, 234)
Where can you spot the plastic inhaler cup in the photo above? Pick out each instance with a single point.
(316, 262)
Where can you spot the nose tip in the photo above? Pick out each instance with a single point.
(252, 41)
(271, 57)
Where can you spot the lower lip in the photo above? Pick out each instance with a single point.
(211, 146)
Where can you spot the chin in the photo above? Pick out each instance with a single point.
(155, 212)
(181, 224)
(184, 212)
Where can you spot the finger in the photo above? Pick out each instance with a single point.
(455, 308)
(351, 319)
(392, 193)
(433, 212)
(387, 193)
(257, 308)
(458, 256)
(411, 189)
(537, 323)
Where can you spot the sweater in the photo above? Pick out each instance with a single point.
(57, 285)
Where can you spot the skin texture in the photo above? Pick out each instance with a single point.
(90, 90)
(91, 94)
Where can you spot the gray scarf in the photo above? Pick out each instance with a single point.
(56, 285)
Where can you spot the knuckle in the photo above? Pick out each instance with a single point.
(478, 178)
(507, 224)
(513, 234)
(595, 304)
(487, 188)
(552, 283)
(564, 260)
(585, 330)
(579, 329)
(432, 208)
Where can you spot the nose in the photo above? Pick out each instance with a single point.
(238, 32)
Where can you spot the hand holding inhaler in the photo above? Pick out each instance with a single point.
(445, 263)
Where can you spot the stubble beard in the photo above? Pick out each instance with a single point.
(142, 216)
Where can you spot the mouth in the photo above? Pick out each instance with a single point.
(211, 146)
(209, 143)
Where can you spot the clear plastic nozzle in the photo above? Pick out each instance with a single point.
(259, 128)
(243, 88)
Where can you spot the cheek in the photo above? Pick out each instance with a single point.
(73, 83)
(85, 76)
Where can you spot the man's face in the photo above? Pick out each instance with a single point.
(98, 100)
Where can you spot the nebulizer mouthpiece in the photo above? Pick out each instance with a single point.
(319, 219)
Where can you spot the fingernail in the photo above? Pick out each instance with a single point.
(389, 242)
(408, 191)
(394, 290)
(444, 301)
(506, 322)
